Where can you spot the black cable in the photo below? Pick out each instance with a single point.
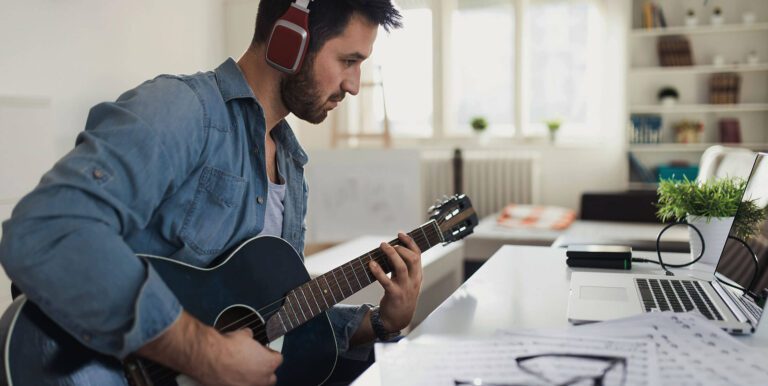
(658, 248)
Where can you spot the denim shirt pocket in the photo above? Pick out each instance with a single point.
(210, 220)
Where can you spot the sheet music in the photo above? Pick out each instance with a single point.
(441, 361)
(691, 350)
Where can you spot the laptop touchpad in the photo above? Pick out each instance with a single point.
(614, 294)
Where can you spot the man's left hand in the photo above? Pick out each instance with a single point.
(402, 290)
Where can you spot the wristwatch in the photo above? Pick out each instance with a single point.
(378, 328)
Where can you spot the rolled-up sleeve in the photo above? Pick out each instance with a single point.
(64, 243)
(345, 320)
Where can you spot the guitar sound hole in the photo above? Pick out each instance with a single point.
(238, 317)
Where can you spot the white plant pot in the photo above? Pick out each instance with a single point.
(715, 234)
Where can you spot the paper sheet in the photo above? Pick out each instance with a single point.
(661, 348)
(435, 361)
(691, 350)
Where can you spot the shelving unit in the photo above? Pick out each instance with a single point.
(733, 40)
(697, 30)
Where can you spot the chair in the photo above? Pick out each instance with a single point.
(721, 162)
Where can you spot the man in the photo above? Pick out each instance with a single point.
(187, 167)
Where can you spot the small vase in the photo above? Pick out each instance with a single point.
(552, 136)
(715, 234)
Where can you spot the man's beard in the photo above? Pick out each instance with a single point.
(301, 95)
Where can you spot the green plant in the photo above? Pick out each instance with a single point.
(712, 199)
(553, 125)
(479, 124)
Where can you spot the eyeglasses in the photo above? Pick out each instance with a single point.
(597, 370)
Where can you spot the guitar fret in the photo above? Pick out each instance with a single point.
(314, 297)
(298, 304)
(306, 300)
(354, 273)
(287, 318)
(280, 317)
(370, 258)
(295, 314)
(349, 285)
(330, 289)
(364, 270)
(437, 231)
(317, 284)
(341, 292)
(425, 237)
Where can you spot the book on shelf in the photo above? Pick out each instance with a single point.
(730, 130)
(674, 50)
(646, 128)
(724, 88)
(653, 16)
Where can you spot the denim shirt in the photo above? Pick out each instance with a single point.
(175, 168)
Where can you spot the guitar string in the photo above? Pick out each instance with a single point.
(153, 369)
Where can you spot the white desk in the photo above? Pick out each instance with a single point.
(488, 236)
(518, 287)
(443, 271)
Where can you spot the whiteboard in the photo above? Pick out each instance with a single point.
(356, 192)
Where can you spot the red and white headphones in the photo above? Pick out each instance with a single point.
(288, 42)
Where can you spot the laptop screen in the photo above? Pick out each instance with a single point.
(736, 264)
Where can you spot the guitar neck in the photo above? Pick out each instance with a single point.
(317, 295)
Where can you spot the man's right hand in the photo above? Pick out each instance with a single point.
(201, 352)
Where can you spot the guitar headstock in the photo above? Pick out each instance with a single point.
(455, 217)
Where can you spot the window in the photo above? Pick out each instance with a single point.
(516, 63)
(482, 44)
(404, 57)
(564, 63)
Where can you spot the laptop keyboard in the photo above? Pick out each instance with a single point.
(676, 295)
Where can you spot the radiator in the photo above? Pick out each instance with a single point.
(491, 179)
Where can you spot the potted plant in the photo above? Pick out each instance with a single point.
(711, 207)
(479, 124)
(553, 125)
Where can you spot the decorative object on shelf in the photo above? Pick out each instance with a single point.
(730, 130)
(479, 124)
(674, 50)
(668, 96)
(724, 88)
(553, 125)
(717, 16)
(646, 128)
(752, 58)
(748, 18)
(687, 131)
(711, 207)
(690, 19)
(718, 60)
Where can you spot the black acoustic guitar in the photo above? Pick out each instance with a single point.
(263, 285)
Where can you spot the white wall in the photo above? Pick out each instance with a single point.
(62, 57)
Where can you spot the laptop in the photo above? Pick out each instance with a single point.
(597, 296)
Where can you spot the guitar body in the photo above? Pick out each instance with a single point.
(250, 283)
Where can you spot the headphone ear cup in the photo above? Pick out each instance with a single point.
(288, 42)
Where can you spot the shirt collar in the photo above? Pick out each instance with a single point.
(232, 83)
(284, 135)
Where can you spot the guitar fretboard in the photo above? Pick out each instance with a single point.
(317, 295)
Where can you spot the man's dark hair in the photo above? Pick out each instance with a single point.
(327, 18)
